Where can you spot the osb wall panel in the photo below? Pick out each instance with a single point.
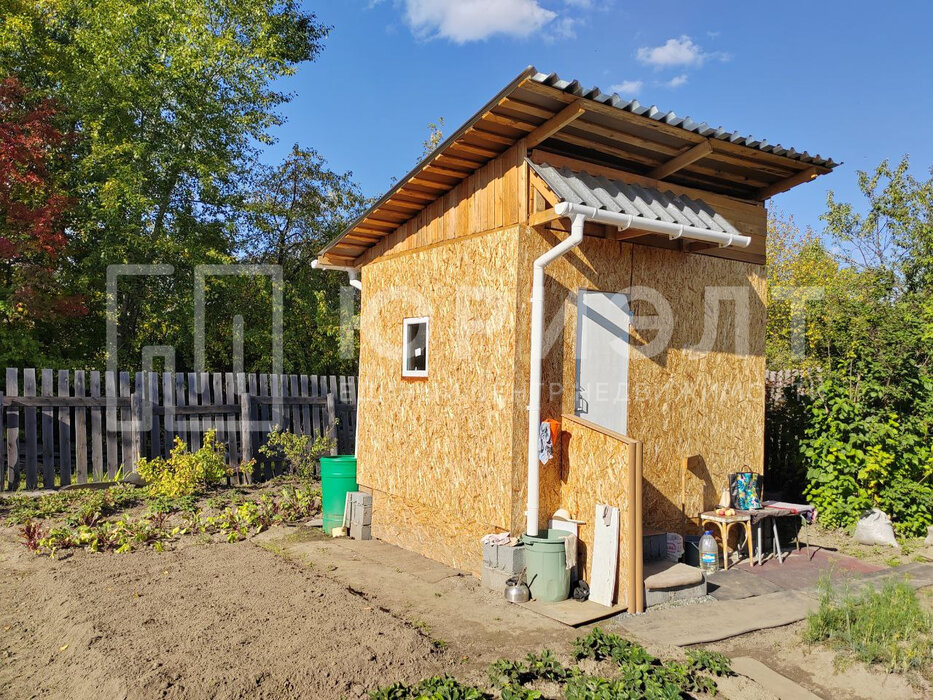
(444, 533)
(440, 448)
(596, 264)
(491, 198)
(682, 401)
(698, 401)
(595, 470)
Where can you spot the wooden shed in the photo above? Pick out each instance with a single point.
(651, 320)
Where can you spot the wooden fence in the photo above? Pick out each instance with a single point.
(76, 426)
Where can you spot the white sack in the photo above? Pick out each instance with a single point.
(875, 528)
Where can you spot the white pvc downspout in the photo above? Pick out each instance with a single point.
(537, 345)
(352, 272)
(579, 214)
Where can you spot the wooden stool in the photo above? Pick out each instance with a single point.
(725, 523)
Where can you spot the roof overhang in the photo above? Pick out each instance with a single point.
(562, 117)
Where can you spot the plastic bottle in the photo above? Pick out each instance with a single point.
(709, 553)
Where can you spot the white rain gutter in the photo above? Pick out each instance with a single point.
(352, 272)
(537, 346)
(579, 214)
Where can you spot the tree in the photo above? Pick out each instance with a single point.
(292, 210)
(171, 100)
(435, 137)
(32, 219)
(867, 436)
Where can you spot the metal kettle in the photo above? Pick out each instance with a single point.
(516, 590)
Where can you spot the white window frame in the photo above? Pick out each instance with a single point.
(408, 322)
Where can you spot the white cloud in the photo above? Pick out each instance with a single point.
(561, 29)
(677, 81)
(627, 87)
(474, 20)
(677, 52)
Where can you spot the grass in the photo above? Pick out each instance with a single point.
(889, 627)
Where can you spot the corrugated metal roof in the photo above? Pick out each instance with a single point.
(573, 87)
(627, 198)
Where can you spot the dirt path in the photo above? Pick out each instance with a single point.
(227, 621)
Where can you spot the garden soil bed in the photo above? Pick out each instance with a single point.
(197, 621)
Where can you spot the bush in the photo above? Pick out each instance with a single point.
(889, 627)
(859, 456)
(185, 473)
(301, 453)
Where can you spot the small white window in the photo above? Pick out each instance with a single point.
(415, 348)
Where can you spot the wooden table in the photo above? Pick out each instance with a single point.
(725, 523)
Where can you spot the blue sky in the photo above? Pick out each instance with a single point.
(848, 80)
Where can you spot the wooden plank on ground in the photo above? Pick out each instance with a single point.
(32, 437)
(80, 429)
(48, 432)
(64, 428)
(605, 554)
(97, 432)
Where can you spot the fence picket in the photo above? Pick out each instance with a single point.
(97, 432)
(233, 454)
(13, 467)
(90, 429)
(32, 438)
(155, 420)
(110, 392)
(126, 423)
(48, 433)
(80, 430)
(64, 429)
(194, 423)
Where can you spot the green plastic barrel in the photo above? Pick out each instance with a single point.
(546, 565)
(338, 477)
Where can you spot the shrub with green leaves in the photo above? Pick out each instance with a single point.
(301, 453)
(186, 473)
(860, 456)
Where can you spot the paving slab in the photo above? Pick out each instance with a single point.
(711, 622)
(736, 584)
(780, 685)
(574, 613)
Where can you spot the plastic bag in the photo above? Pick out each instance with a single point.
(675, 546)
(875, 528)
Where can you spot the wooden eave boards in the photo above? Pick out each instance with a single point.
(554, 120)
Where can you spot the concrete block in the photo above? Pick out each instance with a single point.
(666, 595)
(511, 559)
(494, 579)
(360, 532)
(491, 555)
(361, 508)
